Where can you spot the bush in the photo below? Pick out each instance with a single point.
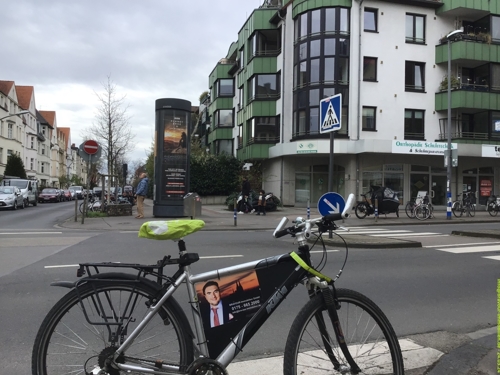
(214, 174)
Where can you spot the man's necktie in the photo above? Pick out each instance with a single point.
(216, 317)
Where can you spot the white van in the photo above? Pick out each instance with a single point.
(29, 189)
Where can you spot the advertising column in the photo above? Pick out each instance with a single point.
(172, 148)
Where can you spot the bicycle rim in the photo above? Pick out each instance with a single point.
(409, 210)
(361, 211)
(457, 209)
(472, 210)
(369, 335)
(422, 212)
(68, 344)
(492, 209)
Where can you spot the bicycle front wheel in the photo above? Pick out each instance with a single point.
(456, 208)
(471, 210)
(422, 212)
(312, 348)
(492, 209)
(76, 336)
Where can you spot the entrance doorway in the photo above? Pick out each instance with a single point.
(433, 183)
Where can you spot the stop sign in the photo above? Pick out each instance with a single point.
(91, 147)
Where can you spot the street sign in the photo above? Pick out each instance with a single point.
(90, 147)
(330, 114)
(92, 159)
(331, 203)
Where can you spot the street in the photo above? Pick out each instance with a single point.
(431, 292)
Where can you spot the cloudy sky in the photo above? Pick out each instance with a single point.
(151, 49)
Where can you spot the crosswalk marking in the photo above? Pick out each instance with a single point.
(494, 257)
(471, 249)
(411, 234)
(465, 244)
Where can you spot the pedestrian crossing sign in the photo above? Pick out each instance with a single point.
(330, 114)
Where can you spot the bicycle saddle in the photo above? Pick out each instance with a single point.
(169, 230)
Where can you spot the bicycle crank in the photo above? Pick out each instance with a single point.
(206, 366)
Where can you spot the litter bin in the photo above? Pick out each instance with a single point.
(192, 205)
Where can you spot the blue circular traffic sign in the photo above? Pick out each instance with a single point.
(331, 203)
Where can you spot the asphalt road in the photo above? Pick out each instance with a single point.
(422, 290)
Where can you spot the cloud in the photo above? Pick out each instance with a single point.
(151, 49)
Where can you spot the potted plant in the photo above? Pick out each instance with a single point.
(455, 83)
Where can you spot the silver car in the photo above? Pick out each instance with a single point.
(11, 197)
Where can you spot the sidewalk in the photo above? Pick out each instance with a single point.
(477, 357)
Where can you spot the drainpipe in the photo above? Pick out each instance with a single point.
(282, 105)
(360, 19)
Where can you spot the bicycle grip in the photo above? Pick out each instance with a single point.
(333, 217)
(281, 233)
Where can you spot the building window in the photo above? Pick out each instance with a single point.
(370, 69)
(10, 129)
(224, 146)
(224, 87)
(264, 130)
(32, 162)
(242, 58)
(223, 118)
(371, 19)
(264, 86)
(266, 43)
(415, 28)
(32, 142)
(9, 153)
(414, 124)
(1, 155)
(414, 76)
(369, 114)
(43, 168)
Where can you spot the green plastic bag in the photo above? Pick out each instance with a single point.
(169, 230)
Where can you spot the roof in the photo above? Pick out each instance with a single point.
(6, 86)
(66, 132)
(42, 120)
(50, 117)
(24, 95)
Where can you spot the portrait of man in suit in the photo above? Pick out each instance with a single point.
(218, 312)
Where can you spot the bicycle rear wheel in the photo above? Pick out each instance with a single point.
(409, 210)
(67, 343)
(456, 208)
(471, 210)
(371, 340)
(492, 209)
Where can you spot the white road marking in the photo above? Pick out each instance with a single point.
(63, 266)
(495, 257)
(423, 234)
(222, 256)
(464, 244)
(23, 233)
(471, 249)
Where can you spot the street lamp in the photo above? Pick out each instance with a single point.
(449, 37)
(16, 114)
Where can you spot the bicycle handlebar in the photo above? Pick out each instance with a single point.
(302, 225)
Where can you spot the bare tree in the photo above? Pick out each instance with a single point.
(111, 128)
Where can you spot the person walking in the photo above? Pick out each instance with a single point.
(142, 189)
(245, 192)
(261, 205)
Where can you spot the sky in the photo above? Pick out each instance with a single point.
(150, 49)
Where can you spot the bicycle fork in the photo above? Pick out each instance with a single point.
(332, 305)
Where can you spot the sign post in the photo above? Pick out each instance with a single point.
(330, 121)
(91, 149)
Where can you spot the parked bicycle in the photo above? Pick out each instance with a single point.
(459, 207)
(116, 322)
(493, 205)
(93, 205)
(423, 210)
(386, 199)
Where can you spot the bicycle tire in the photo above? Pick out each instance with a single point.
(372, 342)
(472, 210)
(422, 212)
(492, 209)
(409, 210)
(66, 340)
(456, 208)
(81, 207)
(361, 210)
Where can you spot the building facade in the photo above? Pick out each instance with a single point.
(389, 61)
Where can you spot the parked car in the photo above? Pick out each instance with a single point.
(49, 195)
(29, 188)
(67, 195)
(11, 197)
(78, 191)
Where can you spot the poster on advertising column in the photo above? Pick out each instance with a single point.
(175, 154)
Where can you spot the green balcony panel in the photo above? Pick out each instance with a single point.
(220, 71)
(253, 152)
(467, 50)
(258, 20)
(220, 133)
(472, 100)
(302, 6)
(491, 6)
(220, 103)
(259, 65)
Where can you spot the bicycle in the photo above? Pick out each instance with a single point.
(115, 322)
(410, 206)
(493, 205)
(424, 210)
(465, 206)
(93, 205)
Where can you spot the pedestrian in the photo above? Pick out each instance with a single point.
(245, 193)
(261, 205)
(142, 189)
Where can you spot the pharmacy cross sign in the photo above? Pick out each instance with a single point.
(330, 114)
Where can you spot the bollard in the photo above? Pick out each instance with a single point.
(235, 214)
(376, 209)
(84, 207)
(76, 208)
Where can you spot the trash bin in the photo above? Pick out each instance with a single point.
(192, 205)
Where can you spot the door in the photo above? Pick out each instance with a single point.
(438, 190)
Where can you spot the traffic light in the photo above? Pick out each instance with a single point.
(125, 171)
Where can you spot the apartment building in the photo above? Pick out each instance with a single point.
(44, 154)
(389, 60)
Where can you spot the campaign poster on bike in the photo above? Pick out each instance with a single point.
(175, 158)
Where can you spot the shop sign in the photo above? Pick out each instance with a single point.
(307, 147)
(421, 147)
(490, 151)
